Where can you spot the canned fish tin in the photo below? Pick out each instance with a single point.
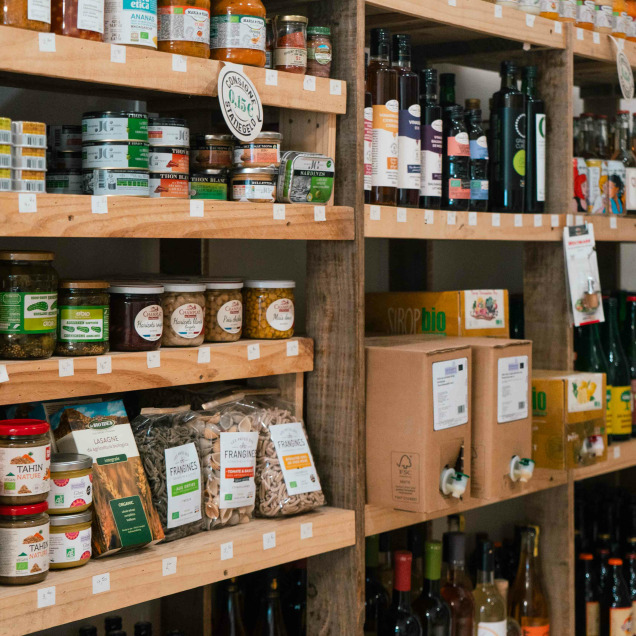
(5, 180)
(168, 131)
(5, 156)
(118, 155)
(305, 177)
(28, 133)
(65, 138)
(24, 158)
(169, 185)
(615, 198)
(5, 131)
(209, 184)
(131, 22)
(112, 125)
(123, 183)
(69, 182)
(175, 160)
(64, 160)
(28, 181)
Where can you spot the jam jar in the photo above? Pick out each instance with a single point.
(70, 540)
(71, 483)
(136, 317)
(290, 43)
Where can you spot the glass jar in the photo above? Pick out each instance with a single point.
(262, 152)
(269, 43)
(184, 27)
(136, 317)
(319, 51)
(84, 20)
(223, 311)
(240, 42)
(290, 43)
(71, 483)
(24, 544)
(212, 152)
(28, 305)
(254, 185)
(83, 307)
(183, 312)
(27, 14)
(70, 540)
(25, 461)
(269, 308)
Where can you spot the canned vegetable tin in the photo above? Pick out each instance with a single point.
(111, 125)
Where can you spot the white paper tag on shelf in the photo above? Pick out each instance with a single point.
(579, 34)
(498, 11)
(320, 213)
(179, 63)
(429, 217)
(101, 583)
(558, 29)
(279, 211)
(452, 3)
(271, 77)
(538, 220)
(306, 530)
(27, 202)
(596, 37)
(253, 352)
(153, 359)
(309, 83)
(579, 219)
(227, 551)
(617, 452)
(569, 220)
(99, 204)
(104, 365)
(335, 87)
(401, 215)
(117, 54)
(292, 348)
(530, 17)
(554, 220)
(451, 218)
(66, 367)
(374, 213)
(169, 566)
(450, 393)
(518, 220)
(472, 216)
(47, 42)
(203, 355)
(196, 208)
(46, 597)
(269, 540)
(496, 219)
(613, 223)
(4, 376)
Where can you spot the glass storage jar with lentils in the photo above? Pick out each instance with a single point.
(223, 310)
(269, 309)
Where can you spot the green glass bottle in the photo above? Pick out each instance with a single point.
(376, 598)
(535, 142)
(432, 610)
(447, 89)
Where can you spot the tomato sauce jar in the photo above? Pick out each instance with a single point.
(290, 43)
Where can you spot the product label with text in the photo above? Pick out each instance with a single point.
(384, 169)
(450, 393)
(431, 160)
(409, 148)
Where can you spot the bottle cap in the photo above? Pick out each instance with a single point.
(403, 560)
(486, 557)
(584, 556)
(414, 540)
(456, 548)
(454, 111)
(447, 78)
(429, 75)
(615, 562)
(433, 566)
(529, 71)
(508, 66)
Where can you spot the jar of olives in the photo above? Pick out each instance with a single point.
(28, 305)
(183, 310)
(223, 310)
(269, 308)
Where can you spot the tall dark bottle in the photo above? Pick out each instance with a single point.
(231, 623)
(400, 620)
(143, 628)
(295, 602)
(382, 83)
(629, 344)
(368, 138)
(587, 597)
(415, 545)
(616, 605)
(535, 142)
(431, 155)
(478, 161)
(408, 194)
(455, 161)
(270, 620)
(432, 610)
(630, 576)
(455, 590)
(447, 89)
(376, 598)
(508, 144)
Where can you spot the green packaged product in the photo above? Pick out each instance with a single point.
(305, 177)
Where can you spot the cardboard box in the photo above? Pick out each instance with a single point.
(418, 421)
(451, 313)
(568, 408)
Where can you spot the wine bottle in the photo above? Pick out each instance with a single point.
(376, 599)
(231, 623)
(629, 344)
(368, 139)
(88, 630)
(414, 543)
(431, 149)
(490, 609)
(630, 576)
(455, 590)
(528, 603)
(616, 608)
(430, 607)
(512, 627)
(447, 89)
(478, 161)
(535, 143)
(270, 621)
(587, 601)
(455, 161)
(385, 566)
(400, 620)
(603, 569)
(295, 611)
(143, 628)
(112, 624)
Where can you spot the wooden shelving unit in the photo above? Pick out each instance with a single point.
(619, 456)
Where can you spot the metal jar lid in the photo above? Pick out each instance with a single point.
(263, 135)
(210, 139)
(270, 284)
(83, 284)
(97, 114)
(223, 284)
(71, 520)
(183, 287)
(167, 121)
(134, 289)
(291, 18)
(242, 171)
(19, 255)
(62, 462)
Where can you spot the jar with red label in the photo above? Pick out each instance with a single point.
(136, 317)
(319, 51)
(82, 19)
(290, 43)
(269, 309)
(184, 27)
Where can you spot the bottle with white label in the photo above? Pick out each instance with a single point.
(431, 149)
(535, 143)
(478, 161)
(490, 609)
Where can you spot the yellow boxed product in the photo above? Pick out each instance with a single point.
(471, 312)
(568, 419)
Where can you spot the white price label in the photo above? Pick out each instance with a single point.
(451, 218)
(153, 359)
(472, 216)
(374, 213)
(253, 352)
(429, 217)
(27, 203)
(320, 213)
(292, 348)
(46, 597)
(335, 87)
(203, 355)
(518, 220)
(309, 83)
(271, 77)
(401, 215)
(538, 220)
(196, 208)
(498, 11)
(306, 530)
(530, 18)
(496, 219)
(169, 566)
(452, 3)
(65, 367)
(4, 376)
(279, 211)
(101, 583)
(569, 220)
(47, 42)
(179, 63)
(596, 37)
(99, 204)
(117, 54)
(579, 219)
(613, 223)
(558, 29)
(554, 220)
(269, 540)
(227, 551)
(617, 452)
(579, 34)
(104, 365)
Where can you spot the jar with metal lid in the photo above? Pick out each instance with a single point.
(79, 19)
(184, 27)
(70, 540)
(212, 151)
(28, 304)
(223, 310)
(255, 185)
(209, 184)
(290, 43)
(84, 314)
(269, 308)
(262, 152)
(136, 317)
(25, 461)
(34, 15)
(24, 544)
(319, 51)
(71, 483)
(269, 43)
(168, 132)
(183, 314)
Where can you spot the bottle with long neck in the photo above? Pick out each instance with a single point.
(400, 620)
(270, 621)
(368, 135)
(376, 598)
(415, 546)
(535, 142)
(528, 603)
(508, 144)
(603, 569)
(295, 606)
(143, 628)
(588, 138)
(455, 590)
(616, 608)
(629, 343)
(490, 609)
(231, 623)
(447, 89)
(602, 138)
(382, 83)
(512, 627)
(630, 576)
(622, 145)
(408, 193)
(431, 154)
(385, 567)
(455, 161)
(478, 161)
(432, 610)
(587, 600)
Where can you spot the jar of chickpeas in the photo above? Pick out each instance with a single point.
(223, 310)
(269, 308)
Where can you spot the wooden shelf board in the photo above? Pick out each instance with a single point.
(378, 519)
(76, 60)
(511, 227)
(136, 577)
(139, 217)
(620, 455)
(37, 380)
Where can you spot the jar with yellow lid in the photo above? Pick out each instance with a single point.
(70, 540)
(71, 483)
(269, 309)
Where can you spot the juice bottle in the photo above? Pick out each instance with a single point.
(604, 18)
